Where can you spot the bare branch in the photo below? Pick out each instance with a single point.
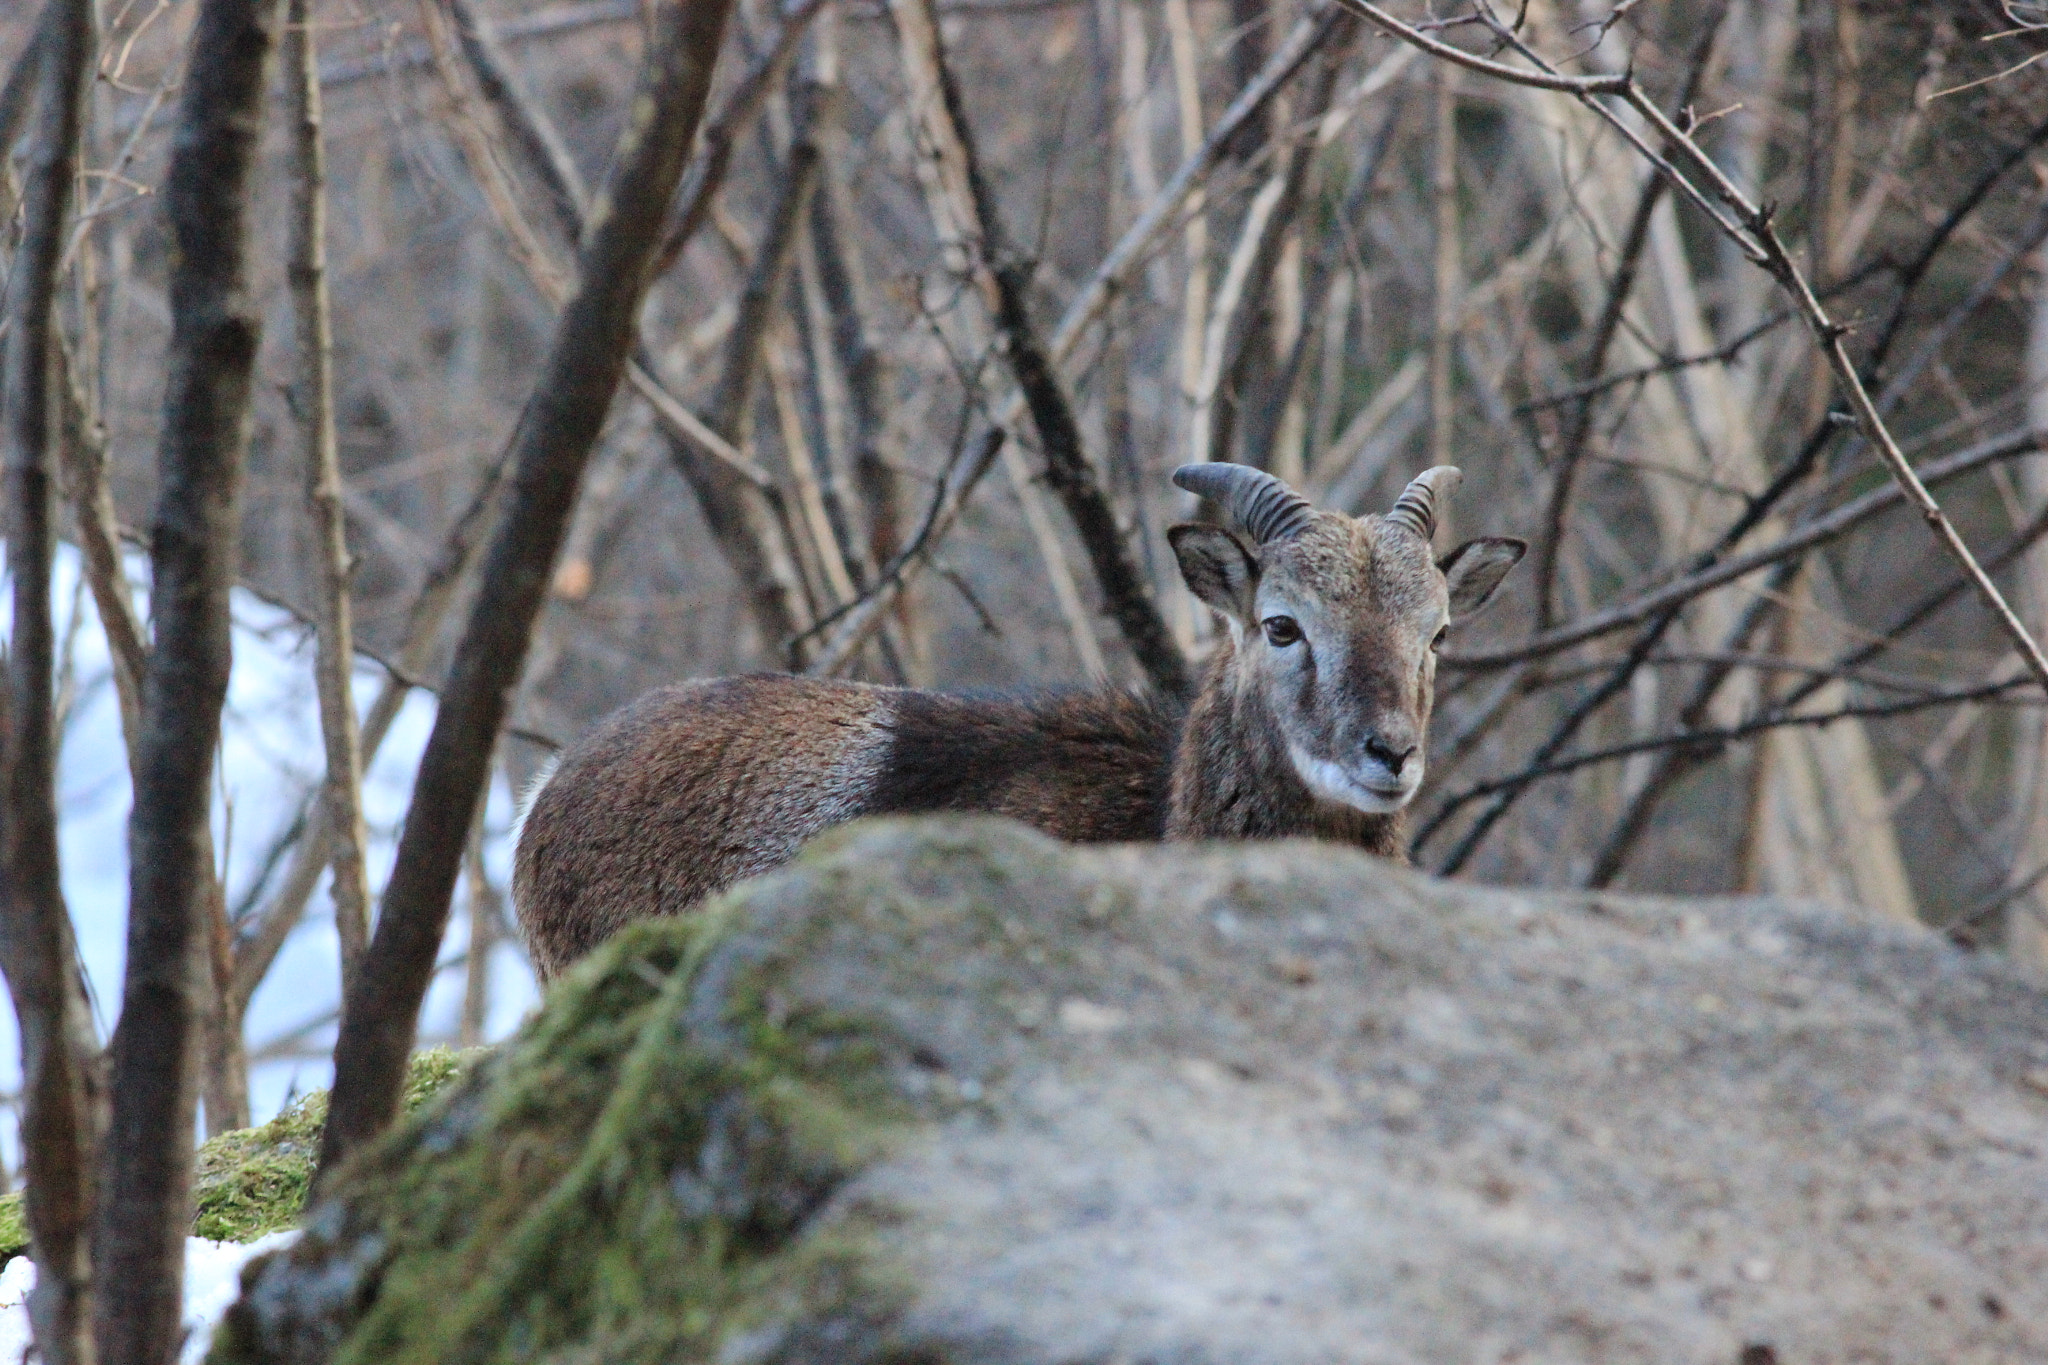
(1447, 264)
(540, 145)
(1818, 531)
(721, 131)
(486, 911)
(1234, 330)
(1540, 80)
(521, 240)
(1755, 233)
(19, 91)
(1714, 739)
(562, 421)
(1565, 468)
(1674, 763)
(860, 359)
(751, 525)
(965, 214)
(545, 23)
(853, 624)
(757, 540)
(1542, 765)
(334, 631)
(92, 513)
(1135, 246)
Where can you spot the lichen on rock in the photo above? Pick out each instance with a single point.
(945, 1091)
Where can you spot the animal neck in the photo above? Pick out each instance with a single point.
(1232, 778)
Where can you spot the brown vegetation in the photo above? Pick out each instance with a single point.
(1724, 304)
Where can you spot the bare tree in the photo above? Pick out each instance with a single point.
(193, 538)
(562, 422)
(1734, 665)
(59, 1057)
(969, 224)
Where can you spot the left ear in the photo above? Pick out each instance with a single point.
(1475, 569)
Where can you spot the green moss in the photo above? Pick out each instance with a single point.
(253, 1181)
(619, 1182)
(13, 1228)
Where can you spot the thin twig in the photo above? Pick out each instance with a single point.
(333, 627)
(853, 624)
(1816, 532)
(1751, 229)
(1668, 365)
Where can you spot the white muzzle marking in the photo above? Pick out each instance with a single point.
(1377, 793)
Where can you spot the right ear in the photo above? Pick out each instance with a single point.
(1475, 569)
(1217, 568)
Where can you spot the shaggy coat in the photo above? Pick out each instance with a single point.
(1308, 722)
(697, 786)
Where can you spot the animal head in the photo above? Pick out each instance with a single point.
(1335, 620)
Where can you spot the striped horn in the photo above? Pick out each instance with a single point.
(1265, 508)
(1416, 507)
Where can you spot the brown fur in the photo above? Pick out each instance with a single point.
(684, 792)
(694, 787)
(1234, 780)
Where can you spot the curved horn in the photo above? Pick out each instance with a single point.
(1266, 508)
(1416, 507)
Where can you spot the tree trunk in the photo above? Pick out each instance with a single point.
(60, 1095)
(193, 546)
(550, 447)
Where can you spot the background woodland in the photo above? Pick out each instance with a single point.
(936, 296)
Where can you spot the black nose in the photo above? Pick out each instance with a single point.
(1386, 754)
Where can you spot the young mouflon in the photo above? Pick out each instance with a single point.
(1309, 720)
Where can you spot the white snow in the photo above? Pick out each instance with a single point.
(213, 1273)
(271, 754)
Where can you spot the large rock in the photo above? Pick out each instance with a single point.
(949, 1092)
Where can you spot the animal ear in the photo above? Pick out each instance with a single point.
(1475, 569)
(1217, 568)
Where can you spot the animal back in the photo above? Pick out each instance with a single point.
(684, 792)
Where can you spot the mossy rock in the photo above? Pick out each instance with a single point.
(253, 1181)
(946, 1092)
(544, 1204)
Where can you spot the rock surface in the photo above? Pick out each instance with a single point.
(947, 1092)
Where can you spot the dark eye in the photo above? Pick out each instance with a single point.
(1281, 631)
(1441, 631)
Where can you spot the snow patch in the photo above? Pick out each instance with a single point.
(213, 1278)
